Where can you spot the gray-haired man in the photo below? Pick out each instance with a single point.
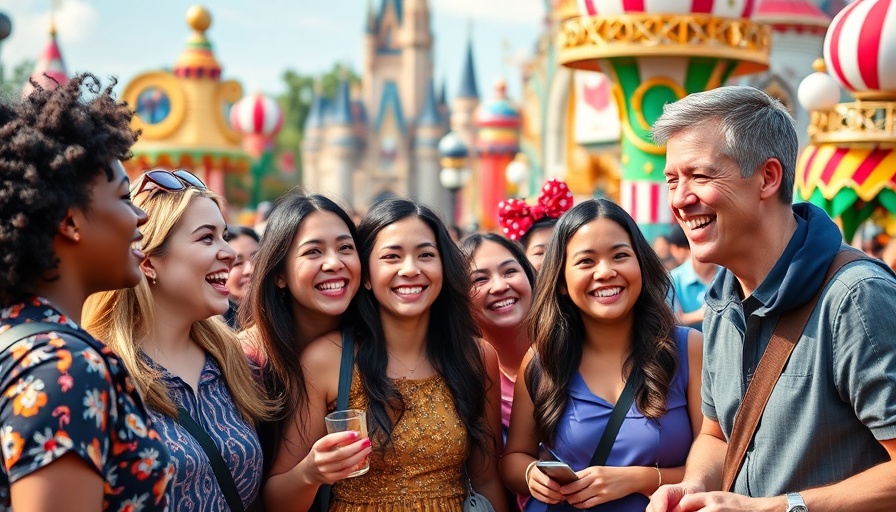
(828, 434)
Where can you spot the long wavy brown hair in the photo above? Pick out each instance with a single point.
(556, 329)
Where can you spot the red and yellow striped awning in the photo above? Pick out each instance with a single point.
(828, 169)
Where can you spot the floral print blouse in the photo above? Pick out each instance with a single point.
(60, 394)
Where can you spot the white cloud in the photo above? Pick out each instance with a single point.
(512, 12)
(76, 22)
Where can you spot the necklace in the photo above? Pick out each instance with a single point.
(406, 367)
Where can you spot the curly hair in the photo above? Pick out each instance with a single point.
(53, 145)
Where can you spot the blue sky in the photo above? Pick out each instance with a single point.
(255, 41)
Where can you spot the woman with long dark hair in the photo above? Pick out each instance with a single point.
(429, 389)
(306, 275)
(501, 297)
(601, 322)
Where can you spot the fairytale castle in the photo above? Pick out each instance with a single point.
(383, 139)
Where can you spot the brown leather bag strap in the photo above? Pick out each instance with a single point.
(784, 338)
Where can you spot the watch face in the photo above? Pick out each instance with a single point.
(798, 508)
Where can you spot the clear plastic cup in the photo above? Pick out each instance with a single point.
(350, 419)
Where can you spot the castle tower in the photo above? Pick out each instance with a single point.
(370, 46)
(340, 152)
(416, 56)
(466, 101)
(50, 69)
(312, 142)
(430, 129)
(392, 46)
(463, 108)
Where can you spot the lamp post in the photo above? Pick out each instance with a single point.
(5, 30)
(454, 174)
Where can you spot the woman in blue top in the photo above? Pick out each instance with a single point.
(600, 319)
(169, 333)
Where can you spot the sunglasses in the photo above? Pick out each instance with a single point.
(169, 181)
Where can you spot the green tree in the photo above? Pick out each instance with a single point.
(11, 83)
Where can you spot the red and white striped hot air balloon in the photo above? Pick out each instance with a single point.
(860, 48)
(259, 118)
(718, 8)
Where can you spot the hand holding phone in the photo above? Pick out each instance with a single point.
(559, 472)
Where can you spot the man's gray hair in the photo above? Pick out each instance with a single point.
(753, 125)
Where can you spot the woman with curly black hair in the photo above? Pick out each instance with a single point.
(71, 417)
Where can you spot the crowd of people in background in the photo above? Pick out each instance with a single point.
(154, 358)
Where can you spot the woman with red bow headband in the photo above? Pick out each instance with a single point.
(532, 225)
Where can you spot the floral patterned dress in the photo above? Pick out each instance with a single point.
(60, 394)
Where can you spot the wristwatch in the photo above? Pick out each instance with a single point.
(795, 503)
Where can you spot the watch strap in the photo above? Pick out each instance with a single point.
(795, 502)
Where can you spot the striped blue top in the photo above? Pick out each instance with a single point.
(195, 488)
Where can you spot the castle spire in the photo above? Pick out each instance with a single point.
(342, 107)
(430, 116)
(371, 18)
(50, 71)
(468, 87)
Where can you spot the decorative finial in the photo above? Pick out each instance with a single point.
(819, 65)
(501, 88)
(56, 5)
(199, 18)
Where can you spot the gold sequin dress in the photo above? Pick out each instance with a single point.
(422, 470)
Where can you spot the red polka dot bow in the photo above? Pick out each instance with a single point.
(516, 217)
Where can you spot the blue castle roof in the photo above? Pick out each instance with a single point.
(399, 11)
(317, 112)
(342, 105)
(468, 88)
(430, 116)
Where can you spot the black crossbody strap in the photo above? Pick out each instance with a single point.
(602, 453)
(222, 473)
(19, 332)
(346, 370)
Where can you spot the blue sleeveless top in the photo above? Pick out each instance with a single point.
(640, 442)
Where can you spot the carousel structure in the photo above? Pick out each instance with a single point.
(184, 117)
(656, 52)
(849, 167)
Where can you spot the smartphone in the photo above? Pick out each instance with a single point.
(559, 472)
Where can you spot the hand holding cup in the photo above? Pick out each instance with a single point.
(355, 421)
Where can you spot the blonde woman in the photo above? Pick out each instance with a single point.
(168, 332)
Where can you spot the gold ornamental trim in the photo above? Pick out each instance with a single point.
(859, 122)
(582, 41)
(565, 9)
